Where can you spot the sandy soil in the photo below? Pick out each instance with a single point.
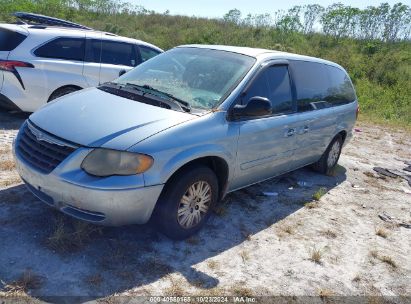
(253, 245)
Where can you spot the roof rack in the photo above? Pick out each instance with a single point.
(37, 19)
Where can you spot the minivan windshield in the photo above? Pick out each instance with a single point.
(202, 78)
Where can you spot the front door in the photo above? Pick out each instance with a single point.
(266, 145)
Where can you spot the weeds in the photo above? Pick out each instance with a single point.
(329, 234)
(319, 193)
(94, 280)
(316, 255)
(383, 258)
(244, 256)
(381, 232)
(193, 240)
(7, 165)
(71, 235)
(175, 289)
(27, 281)
(311, 205)
(239, 290)
(213, 264)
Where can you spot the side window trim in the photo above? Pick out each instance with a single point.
(33, 50)
(138, 54)
(88, 46)
(263, 67)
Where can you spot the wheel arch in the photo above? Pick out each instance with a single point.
(64, 87)
(216, 163)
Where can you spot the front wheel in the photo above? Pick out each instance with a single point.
(186, 202)
(329, 159)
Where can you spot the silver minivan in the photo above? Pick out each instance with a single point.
(173, 136)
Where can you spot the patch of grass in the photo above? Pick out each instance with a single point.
(319, 193)
(5, 150)
(27, 281)
(316, 255)
(221, 209)
(388, 260)
(193, 240)
(94, 280)
(7, 165)
(383, 258)
(369, 174)
(244, 255)
(381, 232)
(70, 235)
(10, 181)
(239, 290)
(311, 205)
(357, 278)
(325, 293)
(213, 264)
(175, 289)
(287, 229)
(329, 234)
(337, 170)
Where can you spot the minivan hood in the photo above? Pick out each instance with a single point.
(94, 118)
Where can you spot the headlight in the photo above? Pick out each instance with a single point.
(106, 162)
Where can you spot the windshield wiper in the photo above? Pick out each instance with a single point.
(149, 89)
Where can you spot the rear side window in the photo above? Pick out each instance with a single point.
(118, 53)
(340, 90)
(311, 81)
(9, 40)
(273, 83)
(63, 48)
(147, 53)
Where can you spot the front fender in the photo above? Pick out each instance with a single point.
(161, 173)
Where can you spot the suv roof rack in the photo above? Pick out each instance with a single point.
(37, 19)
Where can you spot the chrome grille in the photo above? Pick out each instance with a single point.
(42, 150)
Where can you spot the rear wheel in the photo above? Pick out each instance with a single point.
(186, 202)
(330, 158)
(62, 91)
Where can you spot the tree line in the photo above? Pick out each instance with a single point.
(383, 22)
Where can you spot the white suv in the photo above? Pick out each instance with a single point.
(47, 58)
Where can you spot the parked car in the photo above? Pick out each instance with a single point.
(172, 137)
(49, 58)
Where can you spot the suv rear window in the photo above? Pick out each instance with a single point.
(118, 53)
(9, 40)
(63, 48)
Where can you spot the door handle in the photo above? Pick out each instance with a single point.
(290, 132)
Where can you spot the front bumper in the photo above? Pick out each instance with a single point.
(112, 201)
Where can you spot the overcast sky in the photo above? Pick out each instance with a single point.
(217, 8)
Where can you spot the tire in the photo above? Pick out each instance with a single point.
(330, 158)
(176, 196)
(62, 91)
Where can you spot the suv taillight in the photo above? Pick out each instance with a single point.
(11, 65)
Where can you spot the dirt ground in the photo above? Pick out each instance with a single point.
(325, 239)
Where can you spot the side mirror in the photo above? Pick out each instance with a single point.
(256, 106)
(122, 72)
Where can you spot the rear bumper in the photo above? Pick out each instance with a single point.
(7, 104)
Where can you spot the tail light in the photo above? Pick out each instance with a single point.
(11, 65)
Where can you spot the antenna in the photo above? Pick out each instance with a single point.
(46, 20)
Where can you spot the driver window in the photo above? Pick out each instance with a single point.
(273, 83)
